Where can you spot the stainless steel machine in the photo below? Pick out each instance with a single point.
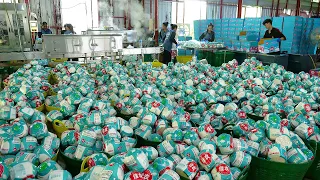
(129, 36)
(14, 29)
(90, 45)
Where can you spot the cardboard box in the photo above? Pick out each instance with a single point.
(249, 46)
(236, 45)
(249, 35)
(227, 43)
(268, 46)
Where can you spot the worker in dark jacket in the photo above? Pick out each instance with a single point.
(167, 45)
(164, 32)
(208, 35)
(272, 32)
(44, 29)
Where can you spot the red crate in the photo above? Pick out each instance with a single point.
(315, 72)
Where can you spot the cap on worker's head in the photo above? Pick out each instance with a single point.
(44, 23)
(210, 25)
(267, 21)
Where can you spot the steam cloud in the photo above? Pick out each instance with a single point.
(139, 19)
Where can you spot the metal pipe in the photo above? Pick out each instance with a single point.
(221, 4)
(277, 10)
(298, 8)
(271, 12)
(239, 8)
(286, 4)
(156, 21)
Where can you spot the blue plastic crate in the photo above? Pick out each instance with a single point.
(188, 38)
(181, 38)
(181, 52)
(189, 52)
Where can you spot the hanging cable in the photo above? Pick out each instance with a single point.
(73, 6)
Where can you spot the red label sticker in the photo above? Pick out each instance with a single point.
(244, 126)
(205, 158)
(208, 128)
(155, 104)
(192, 167)
(105, 130)
(223, 169)
(307, 107)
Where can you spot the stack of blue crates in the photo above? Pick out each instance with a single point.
(200, 26)
(239, 25)
(218, 28)
(277, 22)
(292, 29)
(232, 29)
(235, 27)
(225, 28)
(196, 28)
(305, 39)
(252, 24)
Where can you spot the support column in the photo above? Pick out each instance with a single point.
(156, 21)
(298, 8)
(239, 8)
(318, 10)
(271, 13)
(277, 10)
(221, 4)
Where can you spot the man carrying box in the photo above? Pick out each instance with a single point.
(272, 32)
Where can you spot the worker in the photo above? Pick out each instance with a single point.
(44, 29)
(167, 45)
(164, 31)
(272, 32)
(68, 29)
(208, 35)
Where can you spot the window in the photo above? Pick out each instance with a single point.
(78, 13)
(188, 11)
(251, 11)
